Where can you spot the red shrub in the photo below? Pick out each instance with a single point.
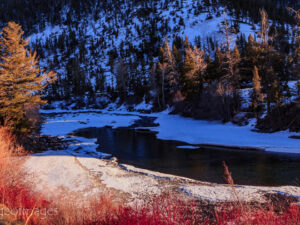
(163, 209)
(290, 216)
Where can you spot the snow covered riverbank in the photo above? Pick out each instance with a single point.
(92, 176)
(79, 168)
(174, 127)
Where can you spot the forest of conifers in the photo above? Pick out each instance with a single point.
(129, 51)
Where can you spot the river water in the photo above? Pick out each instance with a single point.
(142, 149)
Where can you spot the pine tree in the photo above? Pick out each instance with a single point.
(186, 42)
(121, 74)
(193, 72)
(228, 84)
(213, 71)
(276, 93)
(257, 96)
(297, 69)
(177, 55)
(264, 26)
(271, 81)
(236, 59)
(189, 67)
(270, 65)
(189, 63)
(77, 77)
(178, 59)
(169, 75)
(230, 64)
(21, 79)
(252, 57)
(231, 74)
(155, 85)
(210, 69)
(297, 51)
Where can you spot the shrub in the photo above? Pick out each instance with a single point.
(14, 193)
(251, 216)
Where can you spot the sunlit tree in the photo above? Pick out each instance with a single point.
(21, 79)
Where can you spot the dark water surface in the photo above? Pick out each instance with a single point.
(144, 150)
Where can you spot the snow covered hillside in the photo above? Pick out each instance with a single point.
(90, 44)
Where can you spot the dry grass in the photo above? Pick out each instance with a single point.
(12, 191)
(12, 158)
(238, 212)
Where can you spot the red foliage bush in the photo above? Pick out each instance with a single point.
(15, 194)
(290, 216)
(163, 209)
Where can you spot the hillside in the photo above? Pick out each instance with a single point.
(105, 51)
(93, 42)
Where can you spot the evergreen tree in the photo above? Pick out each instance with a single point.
(21, 79)
(121, 74)
(155, 85)
(169, 75)
(297, 51)
(230, 64)
(270, 79)
(257, 95)
(186, 42)
(201, 66)
(77, 78)
(213, 71)
(178, 59)
(188, 72)
(264, 26)
(177, 54)
(193, 68)
(269, 65)
(189, 63)
(229, 83)
(269, 62)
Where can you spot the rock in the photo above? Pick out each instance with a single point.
(241, 118)
(115, 160)
(43, 143)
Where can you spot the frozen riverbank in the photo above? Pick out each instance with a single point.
(174, 127)
(92, 176)
(79, 168)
